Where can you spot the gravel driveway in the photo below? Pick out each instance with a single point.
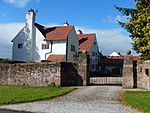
(91, 99)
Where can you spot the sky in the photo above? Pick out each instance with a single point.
(90, 16)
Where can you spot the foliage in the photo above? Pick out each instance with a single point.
(138, 25)
(4, 60)
(82, 55)
(10, 94)
(138, 99)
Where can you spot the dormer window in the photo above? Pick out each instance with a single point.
(20, 45)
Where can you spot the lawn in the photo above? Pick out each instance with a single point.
(16, 94)
(138, 99)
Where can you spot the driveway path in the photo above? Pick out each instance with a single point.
(92, 99)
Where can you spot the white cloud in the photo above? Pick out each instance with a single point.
(18, 3)
(52, 24)
(7, 33)
(109, 40)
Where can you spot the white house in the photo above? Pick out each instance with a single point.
(88, 43)
(36, 42)
(114, 54)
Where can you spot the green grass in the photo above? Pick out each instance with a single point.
(138, 99)
(16, 94)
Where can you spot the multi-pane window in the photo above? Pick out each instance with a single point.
(20, 45)
(72, 48)
(45, 46)
(93, 66)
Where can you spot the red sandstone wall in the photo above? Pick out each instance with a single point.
(143, 75)
(42, 74)
(35, 74)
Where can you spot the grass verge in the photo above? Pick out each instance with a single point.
(10, 94)
(138, 99)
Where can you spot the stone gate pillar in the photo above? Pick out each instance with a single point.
(128, 81)
(83, 70)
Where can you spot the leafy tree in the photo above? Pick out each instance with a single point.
(138, 25)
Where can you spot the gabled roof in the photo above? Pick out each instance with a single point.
(56, 58)
(114, 54)
(86, 41)
(54, 33)
(18, 33)
(41, 28)
(114, 57)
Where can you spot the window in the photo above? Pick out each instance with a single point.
(20, 45)
(72, 48)
(45, 46)
(96, 54)
(93, 66)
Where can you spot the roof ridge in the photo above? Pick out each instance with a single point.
(57, 26)
(88, 34)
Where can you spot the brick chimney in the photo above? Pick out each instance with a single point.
(66, 24)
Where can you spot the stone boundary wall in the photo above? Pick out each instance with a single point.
(143, 75)
(32, 74)
(43, 74)
(67, 74)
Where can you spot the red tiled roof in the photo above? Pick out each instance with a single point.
(86, 41)
(135, 58)
(56, 58)
(58, 33)
(41, 28)
(54, 33)
(115, 57)
(114, 60)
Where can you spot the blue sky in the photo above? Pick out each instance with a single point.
(97, 16)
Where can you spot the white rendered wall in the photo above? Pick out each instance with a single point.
(26, 37)
(21, 54)
(59, 47)
(93, 59)
(114, 54)
(40, 53)
(72, 40)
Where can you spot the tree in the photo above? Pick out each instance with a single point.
(138, 25)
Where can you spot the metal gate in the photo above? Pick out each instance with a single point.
(105, 80)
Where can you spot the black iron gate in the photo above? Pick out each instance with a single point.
(117, 80)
